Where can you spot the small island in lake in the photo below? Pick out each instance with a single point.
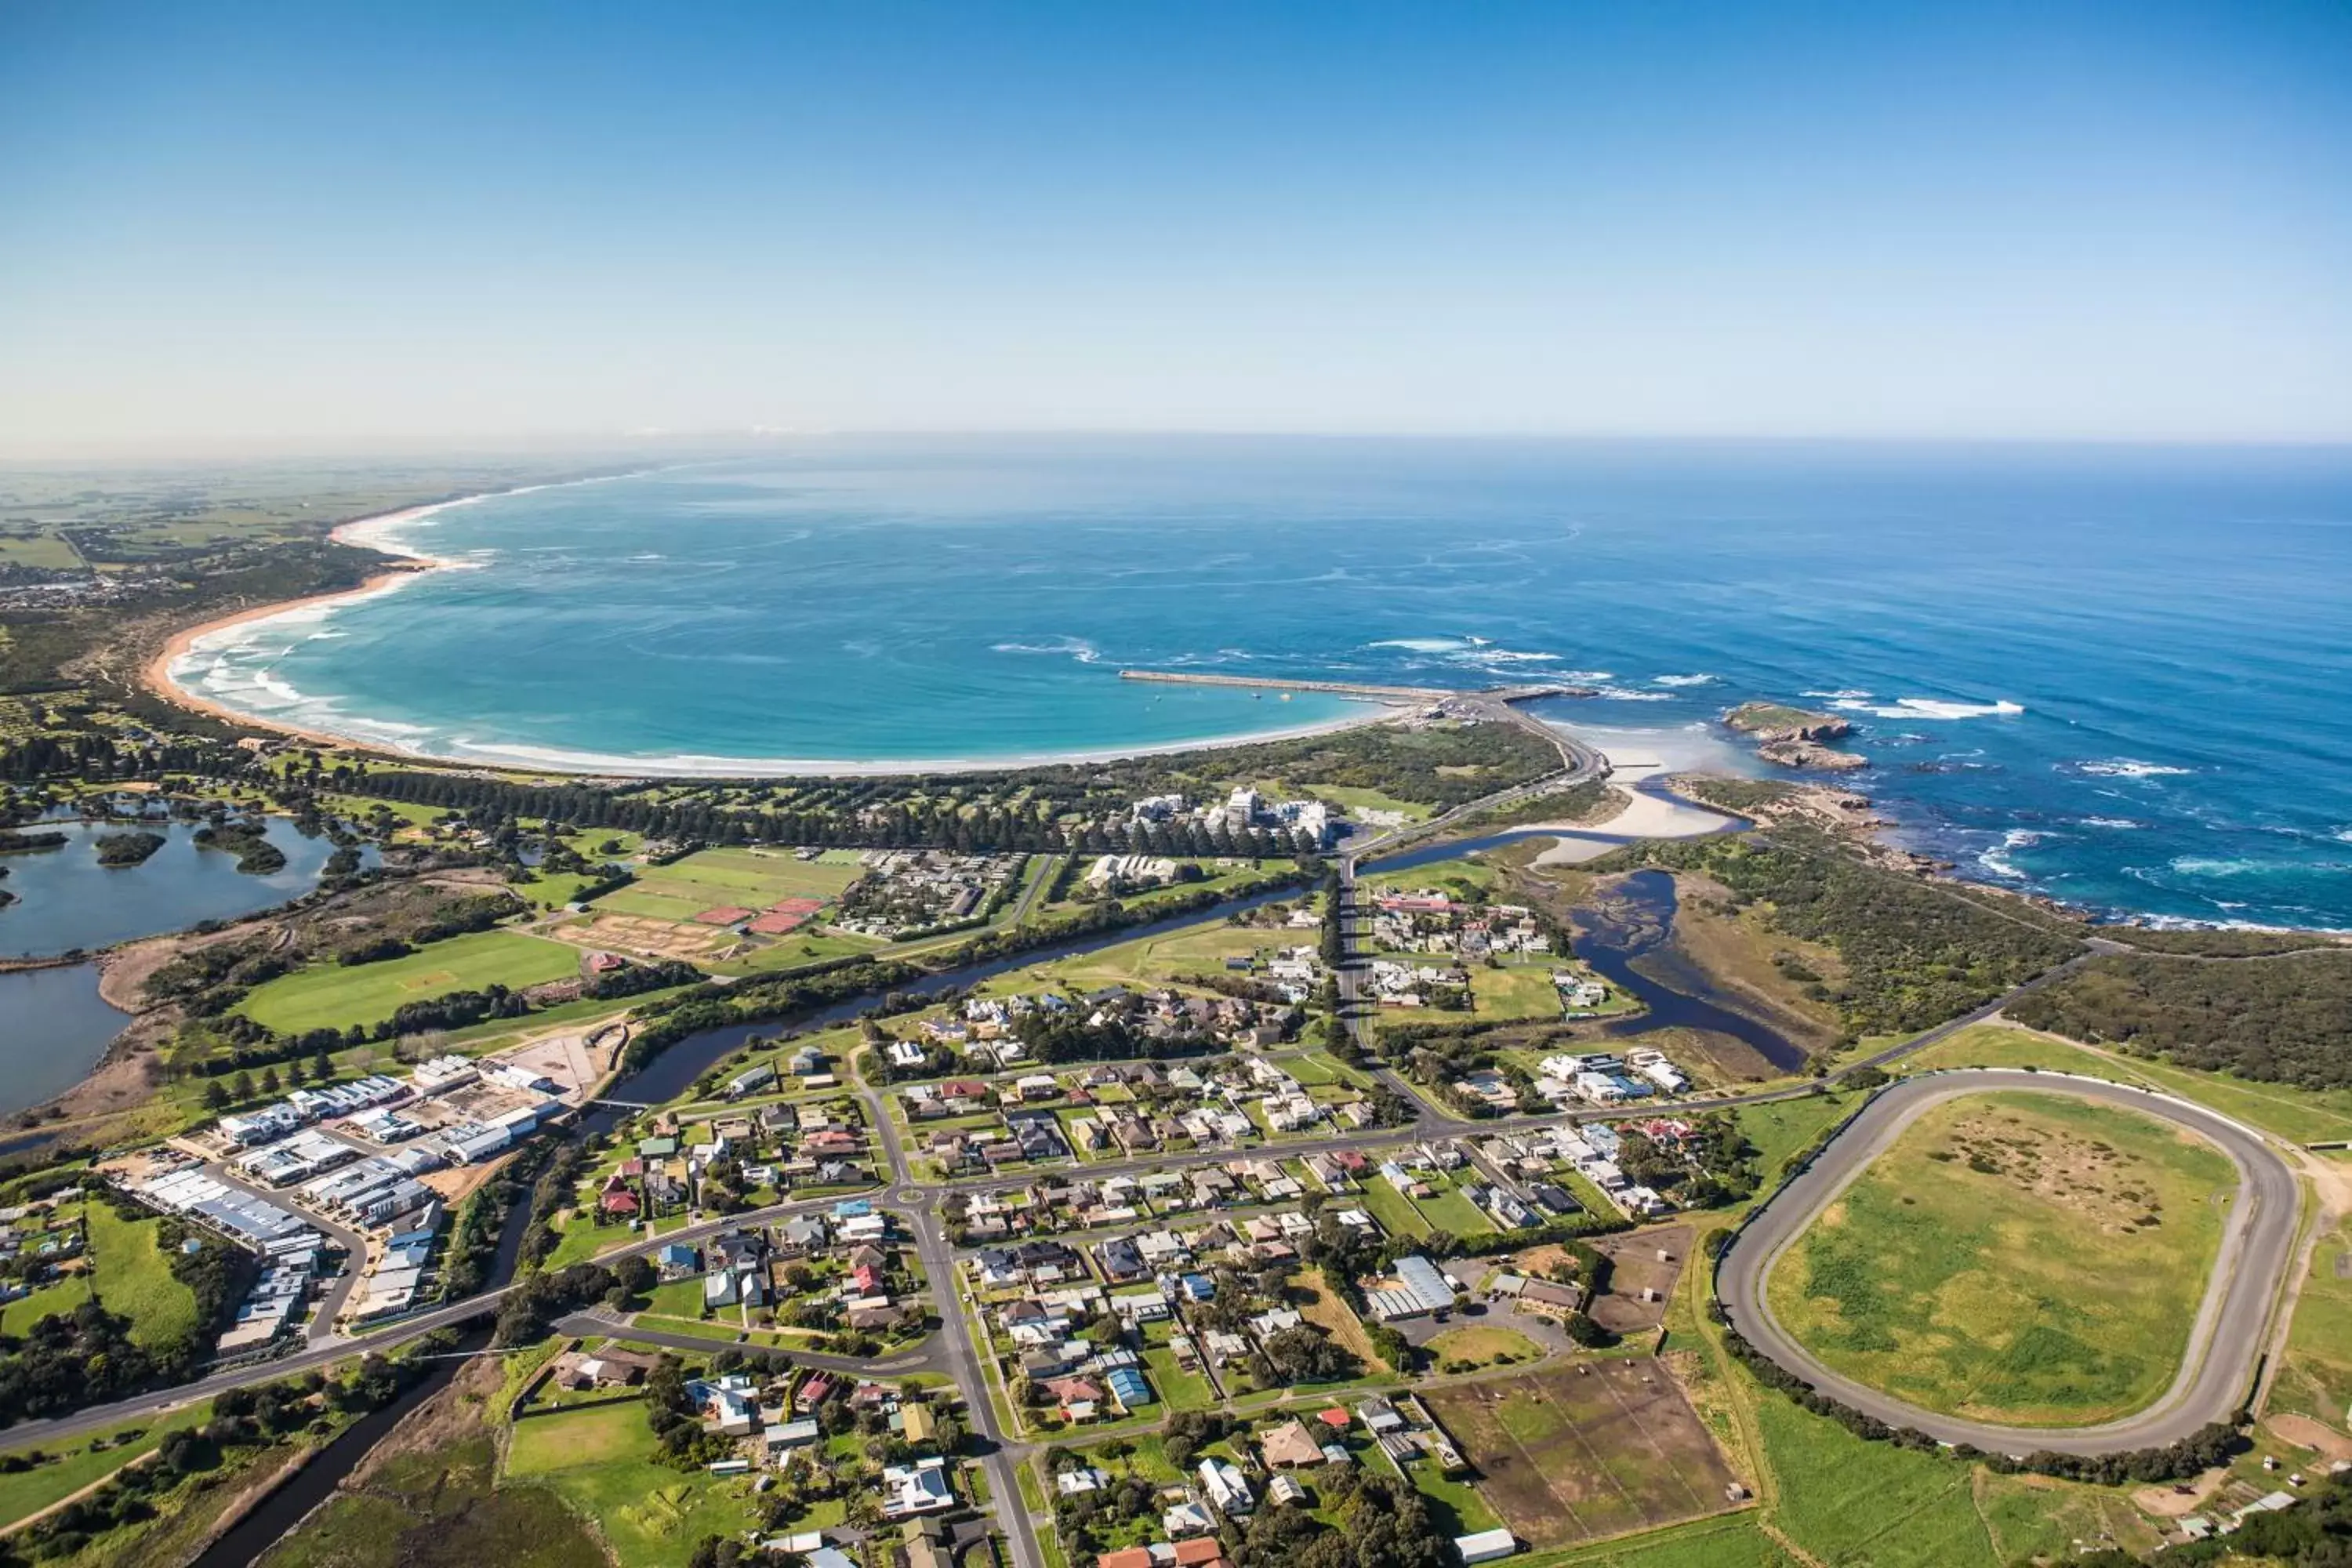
(249, 841)
(15, 842)
(132, 848)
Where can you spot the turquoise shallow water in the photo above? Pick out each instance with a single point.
(2117, 675)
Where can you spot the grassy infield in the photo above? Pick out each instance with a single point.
(1844, 1501)
(2056, 1289)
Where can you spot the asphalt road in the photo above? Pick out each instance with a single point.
(923, 1357)
(2225, 1343)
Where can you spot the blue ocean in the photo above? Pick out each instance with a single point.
(2115, 675)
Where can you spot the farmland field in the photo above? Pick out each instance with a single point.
(335, 996)
(1572, 1456)
(2017, 1257)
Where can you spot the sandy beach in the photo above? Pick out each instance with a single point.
(375, 532)
(1646, 816)
(363, 533)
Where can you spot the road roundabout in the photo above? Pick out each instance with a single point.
(2224, 1342)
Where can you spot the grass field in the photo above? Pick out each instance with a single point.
(1454, 1505)
(1734, 1542)
(134, 1279)
(1483, 1342)
(1847, 1501)
(2317, 1378)
(436, 1508)
(1567, 1456)
(60, 1296)
(1178, 1389)
(1392, 1209)
(1783, 1128)
(1449, 1211)
(335, 996)
(1517, 990)
(600, 1462)
(2020, 1258)
(1351, 797)
(30, 1491)
(750, 878)
(1196, 949)
(1464, 877)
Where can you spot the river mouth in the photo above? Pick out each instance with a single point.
(1627, 937)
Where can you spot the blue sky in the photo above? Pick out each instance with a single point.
(246, 226)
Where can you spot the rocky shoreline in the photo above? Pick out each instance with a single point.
(1795, 738)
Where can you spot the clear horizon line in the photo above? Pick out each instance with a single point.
(751, 438)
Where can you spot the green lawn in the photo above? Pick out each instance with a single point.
(600, 1462)
(336, 996)
(1483, 1342)
(1178, 1389)
(1515, 991)
(30, 1491)
(61, 1296)
(1455, 1506)
(677, 1298)
(2021, 1257)
(1392, 1209)
(1449, 1211)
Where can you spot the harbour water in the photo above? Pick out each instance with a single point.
(2113, 675)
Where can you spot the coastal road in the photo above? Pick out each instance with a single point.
(2224, 1343)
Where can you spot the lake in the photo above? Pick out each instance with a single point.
(66, 902)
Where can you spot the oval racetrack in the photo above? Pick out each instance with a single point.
(2233, 1320)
